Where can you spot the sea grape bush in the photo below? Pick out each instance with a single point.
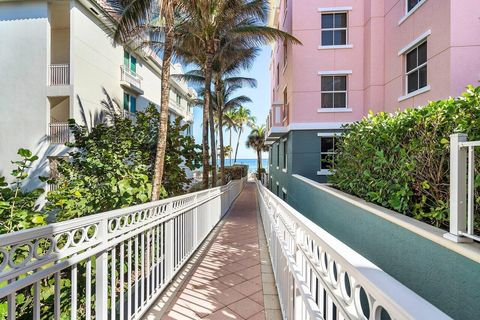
(401, 161)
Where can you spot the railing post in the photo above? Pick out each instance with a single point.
(101, 275)
(169, 244)
(458, 189)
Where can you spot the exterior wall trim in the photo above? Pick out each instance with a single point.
(468, 250)
(317, 126)
(414, 93)
(412, 44)
(334, 72)
(343, 46)
(334, 110)
(334, 9)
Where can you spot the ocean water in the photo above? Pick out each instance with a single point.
(252, 163)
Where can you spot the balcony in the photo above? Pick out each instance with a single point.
(180, 110)
(130, 80)
(277, 121)
(59, 75)
(122, 264)
(59, 133)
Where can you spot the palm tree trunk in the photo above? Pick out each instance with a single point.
(259, 164)
(206, 114)
(220, 129)
(238, 143)
(213, 147)
(230, 144)
(163, 125)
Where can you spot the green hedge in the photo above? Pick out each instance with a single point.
(401, 160)
(236, 172)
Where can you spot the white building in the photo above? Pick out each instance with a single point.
(62, 58)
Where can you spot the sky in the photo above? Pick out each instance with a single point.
(259, 107)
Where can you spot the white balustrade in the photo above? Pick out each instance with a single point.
(462, 189)
(111, 265)
(131, 77)
(59, 75)
(319, 277)
(59, 133)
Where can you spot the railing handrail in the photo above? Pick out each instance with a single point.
(127, 70)
(462, 189)
(399, 301)
(164, 233)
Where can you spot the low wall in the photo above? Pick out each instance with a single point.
(446, 274)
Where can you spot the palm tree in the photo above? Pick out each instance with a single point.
(224, 101)
(242, 117)
(153, 24)
(256, 141)
(213, 21)
(230, 124)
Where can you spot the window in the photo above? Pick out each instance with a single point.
(284, 195)
(334, 91)
(271, 156)
(129, 102)
(411, 4)
(278, 74)
(278, 190)
(416, 68)
(178, 98)
(327, 153)
(285, 154)
(129, 61)
(278, 155)
(334, 29)
(285, 53)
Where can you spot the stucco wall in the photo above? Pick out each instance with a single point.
(24, 51)
(445, 278)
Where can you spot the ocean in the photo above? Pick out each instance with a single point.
(252, 163)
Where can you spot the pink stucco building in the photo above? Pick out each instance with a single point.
(357, 56)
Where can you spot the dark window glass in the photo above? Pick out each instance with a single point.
(327, 83)
(285, 154)
(340, 100)
(327, 100)
(412, 4)
(327, 38)
(284, 196)
(327, 21)
(340, 37)
(412, 60)
(326, 161)
(340, 83)
(340, 20)
(422, 53)
(326, 144)
(422, 77)
(413, 81)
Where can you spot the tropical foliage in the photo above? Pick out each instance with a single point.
(17, 206)
(401, 161)
(112, 166)
(256, 141)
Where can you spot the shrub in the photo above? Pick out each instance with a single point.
(236, 172)
(401, 161)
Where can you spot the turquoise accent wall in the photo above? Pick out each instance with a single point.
(448, 280)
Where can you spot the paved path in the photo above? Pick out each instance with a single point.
(234, 278)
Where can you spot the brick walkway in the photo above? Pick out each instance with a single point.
(234, 279)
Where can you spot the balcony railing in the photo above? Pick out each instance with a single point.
(462, 189)
(130, 77)
(59, 75)
(278, 116)
(59, 133)
(112, 265)
(319, 277)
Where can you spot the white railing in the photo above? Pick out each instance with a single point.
(111, 265)
(319, 277)
(59, 75)
(131, 77)
(59, 133)
(462, 189)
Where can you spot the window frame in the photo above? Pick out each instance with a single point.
(334, 92)
(127, 102)
(415, 7)
(132, 61)
(416, 69)
(334, 29)
(326, 172)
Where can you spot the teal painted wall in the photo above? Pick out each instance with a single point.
(446, 279)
